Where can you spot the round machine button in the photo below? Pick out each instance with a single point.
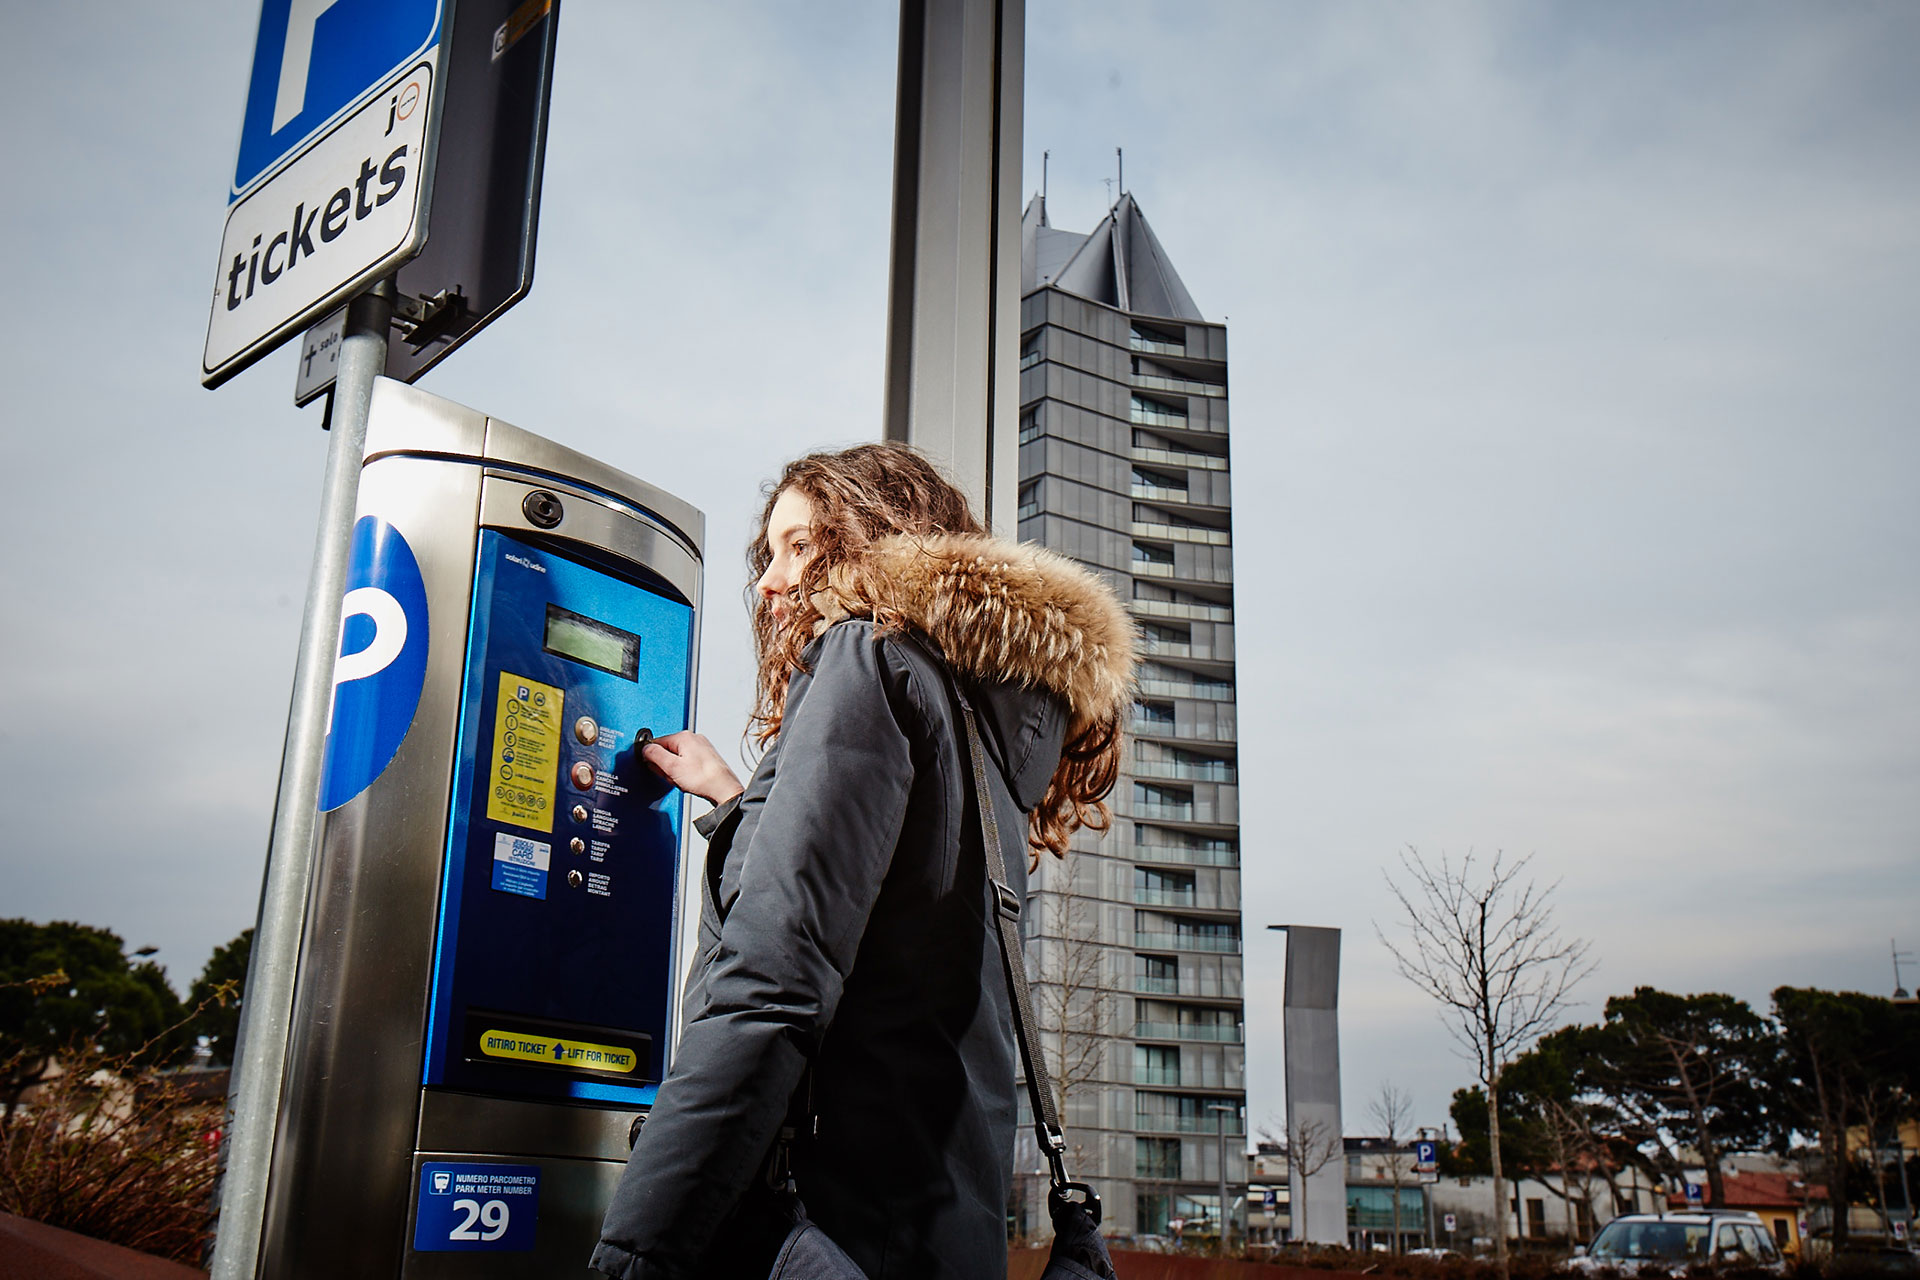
(587, 730)
(577, 845)
(582, 775)
(579, 813)
(574, 879)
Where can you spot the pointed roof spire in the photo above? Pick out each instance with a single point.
(1120, 262)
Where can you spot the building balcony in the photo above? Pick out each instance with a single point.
(1180, 458)
(1211, 691)
(1217, 576)
(1208, 1124)
(1208, 1032)
(1137, 343)
(1158, 493)
(1176, 609)
(1214, 771)
(1178, 649)
(1141, 416)
(1185, 855)
(1189, 988)
(1162, 1076)
(1166, 812)
(1186, 942)
(1186, 386)
(1183, 533)
(1207, 903)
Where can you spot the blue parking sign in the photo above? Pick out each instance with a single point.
(313, 60)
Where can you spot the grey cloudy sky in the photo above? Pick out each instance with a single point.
(1574, 398)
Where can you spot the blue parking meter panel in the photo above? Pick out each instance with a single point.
(313, 61)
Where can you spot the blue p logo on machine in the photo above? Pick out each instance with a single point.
(381, 664)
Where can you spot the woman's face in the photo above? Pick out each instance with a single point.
(790, 543)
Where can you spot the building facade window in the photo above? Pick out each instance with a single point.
(1156, 1158)
(1149, 411)
(1156, 1064)
(1157, 975)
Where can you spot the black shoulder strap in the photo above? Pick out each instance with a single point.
(1013, 962)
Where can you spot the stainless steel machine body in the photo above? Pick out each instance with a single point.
(490, 955)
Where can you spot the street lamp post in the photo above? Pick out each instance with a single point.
(1220, 1110)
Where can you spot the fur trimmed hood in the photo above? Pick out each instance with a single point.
(999, 611)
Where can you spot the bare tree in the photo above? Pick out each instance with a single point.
(1392, 1110)
(1072, 1004)
(1486, 948)
(1309, 1146)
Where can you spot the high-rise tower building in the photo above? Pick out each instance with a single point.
(1134, 941)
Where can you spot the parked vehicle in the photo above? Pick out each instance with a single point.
(1710, 1238)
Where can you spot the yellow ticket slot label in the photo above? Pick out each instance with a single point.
(555, 1052)
(526, 752)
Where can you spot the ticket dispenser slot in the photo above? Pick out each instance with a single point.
(486, 979)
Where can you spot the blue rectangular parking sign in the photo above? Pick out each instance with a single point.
(314, 59)
(476, 1206)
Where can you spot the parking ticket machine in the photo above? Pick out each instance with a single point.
(488, 963)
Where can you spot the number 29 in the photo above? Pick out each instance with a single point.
(492, 1216)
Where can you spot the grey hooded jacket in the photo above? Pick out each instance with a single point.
(845, 926)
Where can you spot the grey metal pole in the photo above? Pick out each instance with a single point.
(253, 1098)
(1220, 1116)
(953, 307)
(1223, 1183)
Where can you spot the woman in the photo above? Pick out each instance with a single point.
(844, 938)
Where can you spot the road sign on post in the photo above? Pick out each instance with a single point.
(332, 185)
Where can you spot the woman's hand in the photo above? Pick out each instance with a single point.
(690, 763)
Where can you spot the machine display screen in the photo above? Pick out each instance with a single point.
(586, 640)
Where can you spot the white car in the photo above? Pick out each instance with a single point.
(1676, 1241)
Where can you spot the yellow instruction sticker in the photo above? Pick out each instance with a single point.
(552, 1050)
(526, 752)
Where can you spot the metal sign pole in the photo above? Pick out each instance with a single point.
(953, 313)
(260, 1053)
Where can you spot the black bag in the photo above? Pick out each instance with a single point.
(808, 1253)
(1078, 1252)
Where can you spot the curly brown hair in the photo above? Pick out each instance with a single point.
(859, 496)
